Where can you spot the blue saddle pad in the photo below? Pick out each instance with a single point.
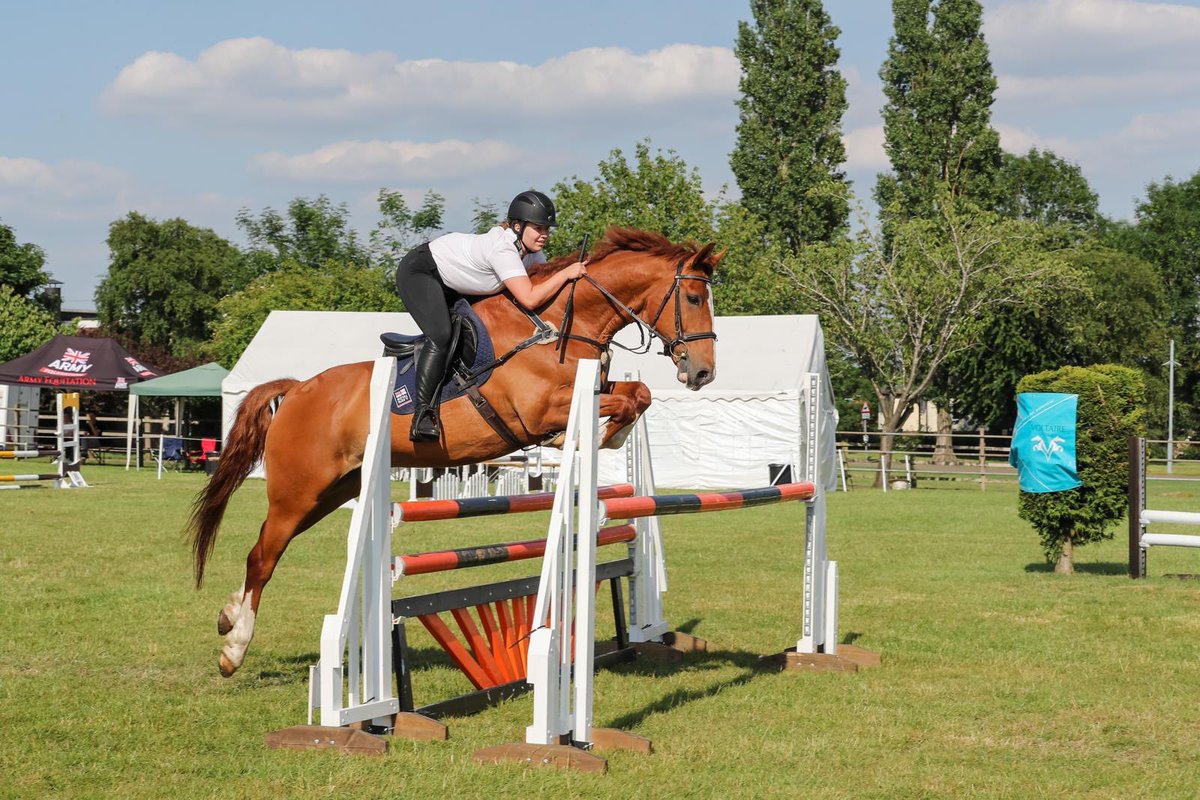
(485, 353)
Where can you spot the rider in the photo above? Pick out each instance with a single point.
(430, 278)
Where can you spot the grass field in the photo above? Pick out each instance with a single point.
(1000, 679)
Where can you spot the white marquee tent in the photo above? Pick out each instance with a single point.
(722, 436)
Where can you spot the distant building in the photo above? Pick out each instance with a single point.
(88, 318)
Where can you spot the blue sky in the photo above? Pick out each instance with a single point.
(198, 109)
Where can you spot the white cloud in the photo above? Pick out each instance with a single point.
(1146, 138)
(864, 96)
(1018, 140)
(864, 149)
(1078, 51)
(63, 191)
(384, 162)
(24, 179)
(255, 79)
(1078, 90)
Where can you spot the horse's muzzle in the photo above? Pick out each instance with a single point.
(694, 376)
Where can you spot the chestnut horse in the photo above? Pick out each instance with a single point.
(312, 446)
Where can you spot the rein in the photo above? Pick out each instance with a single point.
(647, 331)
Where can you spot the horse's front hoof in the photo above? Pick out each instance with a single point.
(226, 666)
(224, 623)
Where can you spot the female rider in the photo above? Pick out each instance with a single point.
(430, 278)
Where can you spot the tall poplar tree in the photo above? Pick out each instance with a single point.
(937, 121)
(790, 130)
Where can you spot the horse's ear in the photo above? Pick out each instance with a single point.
(715, 260)
(701, 261)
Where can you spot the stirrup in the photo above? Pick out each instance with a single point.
(425, 427)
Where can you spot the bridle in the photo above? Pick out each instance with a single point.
(647, 331)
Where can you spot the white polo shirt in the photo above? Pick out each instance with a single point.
(480, 263)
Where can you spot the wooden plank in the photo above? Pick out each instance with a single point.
(419, 728)
(606, 739)
(325, 737)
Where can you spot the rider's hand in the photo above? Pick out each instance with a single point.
(576, 271)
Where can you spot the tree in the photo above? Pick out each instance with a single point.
(937, 121)
(902, 312)
(1116, 316)
(313, 233)
(660, 192)
(747, 282)
(657, 192)
(485, 216)
(1167, 235)
(401, 229)
(1043, 188)
(24, 325)
(293, 287)
(164, 280)
(22, 269)
(1111, 409)
(790, 129)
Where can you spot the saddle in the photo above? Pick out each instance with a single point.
(471, 353)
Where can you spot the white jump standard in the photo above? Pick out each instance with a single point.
(67, 455)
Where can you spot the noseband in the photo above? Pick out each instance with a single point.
(681, 337)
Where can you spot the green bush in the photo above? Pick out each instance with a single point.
(1112, 407)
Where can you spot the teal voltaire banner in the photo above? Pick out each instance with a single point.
(1043, 445)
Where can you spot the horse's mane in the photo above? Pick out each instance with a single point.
(617, 240)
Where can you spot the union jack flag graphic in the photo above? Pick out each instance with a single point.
(74, 356)
(72, 363)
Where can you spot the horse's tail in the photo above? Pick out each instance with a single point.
(247, 440)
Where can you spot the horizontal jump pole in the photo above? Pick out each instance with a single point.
(1150, 515)
(430, 510)
(28, 453)
(14, 478)
(657, 505)
(1170, 539)
(462, 558)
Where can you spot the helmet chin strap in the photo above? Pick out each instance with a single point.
(520, 231)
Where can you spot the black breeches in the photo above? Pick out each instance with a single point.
(425, 297)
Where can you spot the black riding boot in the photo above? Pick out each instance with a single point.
(431, 369)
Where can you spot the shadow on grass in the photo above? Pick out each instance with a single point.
(753, 666)
(294, 669)
(288, 669)
(1097, 568)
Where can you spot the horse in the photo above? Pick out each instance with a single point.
(312, 442)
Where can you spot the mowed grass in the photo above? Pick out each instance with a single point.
(999, 679)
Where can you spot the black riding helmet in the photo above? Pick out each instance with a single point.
(532, 206)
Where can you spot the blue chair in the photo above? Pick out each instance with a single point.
(173, 455)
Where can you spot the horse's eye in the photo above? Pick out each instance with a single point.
(693, 299)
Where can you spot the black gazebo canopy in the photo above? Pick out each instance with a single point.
(78, 362)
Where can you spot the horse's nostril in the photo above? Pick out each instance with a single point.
(702, 376)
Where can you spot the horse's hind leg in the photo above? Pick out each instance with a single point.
(287, 517)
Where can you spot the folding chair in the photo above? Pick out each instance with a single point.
(172, 455)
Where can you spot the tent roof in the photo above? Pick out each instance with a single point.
(78, 362)
(755, 354)
(202, 381)
(301, 344)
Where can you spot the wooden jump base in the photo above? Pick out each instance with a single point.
(67, 454)
(351, 685)
(1140, 517)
